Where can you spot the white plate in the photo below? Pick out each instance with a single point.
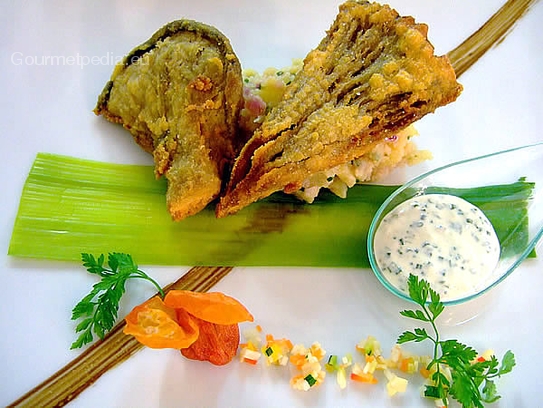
(48, 108)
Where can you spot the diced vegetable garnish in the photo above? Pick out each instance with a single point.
(369, 347)
(249, 356)
(358, 374)
(276, 351)
(308, 363)
(395, 384)
(409, 365)
(340, 368)
(371, 367)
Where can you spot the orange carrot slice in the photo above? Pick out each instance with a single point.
(213, 307)
(157, 326)
(297, 360)
(364, 378)
(250, 361)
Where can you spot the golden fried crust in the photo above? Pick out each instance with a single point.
(372, 75)
(179, 95)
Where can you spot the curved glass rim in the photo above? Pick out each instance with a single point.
(373, 226)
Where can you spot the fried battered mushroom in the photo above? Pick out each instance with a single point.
(372, 75)
(179, 95)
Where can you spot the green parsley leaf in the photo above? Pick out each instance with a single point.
(436, 307)
(490, 392)
(463, 390)
(457, 373)
(418, 289)
(93, 265)
(456, 354)
(415, 314)
(417, 336)
(99, 309)
(508, 362)
(432, 391)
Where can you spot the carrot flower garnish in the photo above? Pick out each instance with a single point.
(157, 326)
(204, 326)
(214, 307)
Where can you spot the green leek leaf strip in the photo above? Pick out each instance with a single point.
(69, 205)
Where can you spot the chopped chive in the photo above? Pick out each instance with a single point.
(310, 380)
(332, 364)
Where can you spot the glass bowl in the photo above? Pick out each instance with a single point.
(514, 167)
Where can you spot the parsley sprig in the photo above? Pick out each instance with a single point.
(99, 309)
(456, 370)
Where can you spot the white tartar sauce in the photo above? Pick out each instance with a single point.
(441, 238)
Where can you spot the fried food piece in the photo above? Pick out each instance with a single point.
(372, 75)
(179, 94)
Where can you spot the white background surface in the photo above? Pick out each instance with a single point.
(49, 109)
